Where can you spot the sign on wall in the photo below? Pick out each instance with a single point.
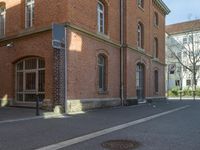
(58, 36)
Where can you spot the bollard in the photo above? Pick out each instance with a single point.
(37, 105)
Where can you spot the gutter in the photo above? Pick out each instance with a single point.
(122, 51)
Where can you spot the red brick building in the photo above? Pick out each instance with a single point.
(115, 52)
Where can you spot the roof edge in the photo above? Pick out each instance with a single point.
(163, 6)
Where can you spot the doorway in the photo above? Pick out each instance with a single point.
(140, 87)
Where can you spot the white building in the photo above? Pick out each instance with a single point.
(183, 43)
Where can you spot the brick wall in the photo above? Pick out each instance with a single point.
(83, 46)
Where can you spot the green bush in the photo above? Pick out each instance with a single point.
(198, 91)
(174, 92)
(185, 92)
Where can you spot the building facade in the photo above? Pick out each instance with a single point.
(183, 39)
(114, 52)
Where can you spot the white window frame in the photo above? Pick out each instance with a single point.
(31, 4)
(25, 71)
(3, 13)
(103, 75)
(99, 12)
(139, 35)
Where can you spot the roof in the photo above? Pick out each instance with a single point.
(162, 6)
(182, 27)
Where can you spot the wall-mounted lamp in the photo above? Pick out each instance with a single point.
(9, 45)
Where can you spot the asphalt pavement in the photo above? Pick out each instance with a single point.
(169, 125)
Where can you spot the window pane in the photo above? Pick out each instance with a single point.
(20, 66)
(2, 21)
(101, 69)
(29, 13)
(41, 80)
(101, 20)
(30, 97)
(156, 80)
(100, 77)
(30, 81)
(41, 63)
(20, 82)
(20, 97)
(31, 63)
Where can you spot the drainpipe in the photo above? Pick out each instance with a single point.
(66, 107)
(122, 51)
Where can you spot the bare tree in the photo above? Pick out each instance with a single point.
(187, 53)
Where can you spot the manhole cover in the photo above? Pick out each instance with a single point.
(121, 144)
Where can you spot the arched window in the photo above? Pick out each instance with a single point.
(156, 19)
(2, 19)
(141, 3)
(102, 72)
(101, 17)
(29, 14)
(155, 47)
(140, 35)
(156, 79)
(30, 79)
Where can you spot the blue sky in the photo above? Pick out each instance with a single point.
(182, 10)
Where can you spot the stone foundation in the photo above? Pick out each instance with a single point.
(83, 105)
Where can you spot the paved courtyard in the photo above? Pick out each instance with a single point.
(169, 125)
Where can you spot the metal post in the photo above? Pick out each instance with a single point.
(37, 105)
(167, 81)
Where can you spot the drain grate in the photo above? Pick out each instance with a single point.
(121, 144)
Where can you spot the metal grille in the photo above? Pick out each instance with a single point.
(30, 79)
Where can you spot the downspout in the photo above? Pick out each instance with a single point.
(66, 105)
(122, 51)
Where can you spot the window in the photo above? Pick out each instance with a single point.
(177, 82)
(156, 78)
(102, 72)
(188, 82)
(140, 34)
(190, 39)
(155, 47)
(101, 17)
(156, 20)
(29, 14)
(30, 79)
(2, 20)
(185, 40)
(140, 3)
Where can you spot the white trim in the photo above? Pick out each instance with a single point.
(93, 135)
(99, 12)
